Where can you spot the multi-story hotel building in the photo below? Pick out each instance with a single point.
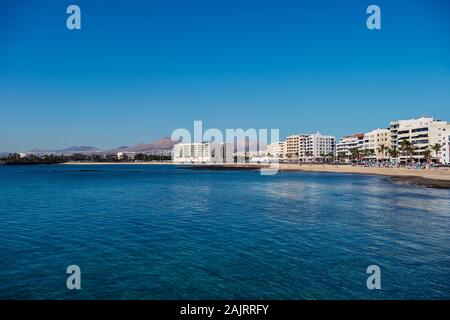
(347, 143)
(275, 150)
(204, 152)
(317, 146)
(446, 152)
(292, 147)
(374, 140)
(422, 133)
(305, 147)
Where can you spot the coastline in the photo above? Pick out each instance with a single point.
(71, 163)
(433, 178)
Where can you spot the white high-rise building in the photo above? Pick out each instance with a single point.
(349, 142)
(317, 146)
(306, 147)
(422, 133)
(204, 152)
(446, 147)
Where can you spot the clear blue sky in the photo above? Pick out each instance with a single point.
(139, 69)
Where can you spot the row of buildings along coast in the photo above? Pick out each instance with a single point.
(415, 140)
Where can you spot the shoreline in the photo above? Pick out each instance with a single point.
(72, 163)
(433, 178)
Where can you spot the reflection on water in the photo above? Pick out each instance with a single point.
(160, 232)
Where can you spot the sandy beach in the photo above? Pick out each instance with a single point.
(435, 173)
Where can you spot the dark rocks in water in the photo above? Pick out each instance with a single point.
(221, 167)
(420, 181)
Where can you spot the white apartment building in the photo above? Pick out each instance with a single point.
(121, 155)
(347, 143)
(306, 147)
(374, 140)
(439, 132)
(275, 150)
(446, 153)
(422, 133)
(204, 152)
(317, 146)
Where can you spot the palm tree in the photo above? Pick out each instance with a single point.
(330, 155)
(341, 155)
(355, 153)
(372, 153)
(393, 153)
(308, 154)
(427, 154)
(407, 149)
(382, 149)
(367, 153)
(321, 157)
(436, 148)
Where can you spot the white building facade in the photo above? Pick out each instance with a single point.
(347, 143)
(422, 133)
(204, 152)
(376, 140)
(308, 147)
(316, 146)
(275, 150)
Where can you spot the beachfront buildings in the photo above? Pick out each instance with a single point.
(292, 147)
(348, 143)
(317, 146)
(428, 140)
(446, 153)
(275, 150)
(422, 134)
(203, 152)
(372, 145)
(306, 147)
(378, 141)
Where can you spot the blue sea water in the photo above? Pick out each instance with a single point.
(164, 232)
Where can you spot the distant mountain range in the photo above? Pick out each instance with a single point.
(69, 150)
(161, 146)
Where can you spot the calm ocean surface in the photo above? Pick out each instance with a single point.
(163, 232)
